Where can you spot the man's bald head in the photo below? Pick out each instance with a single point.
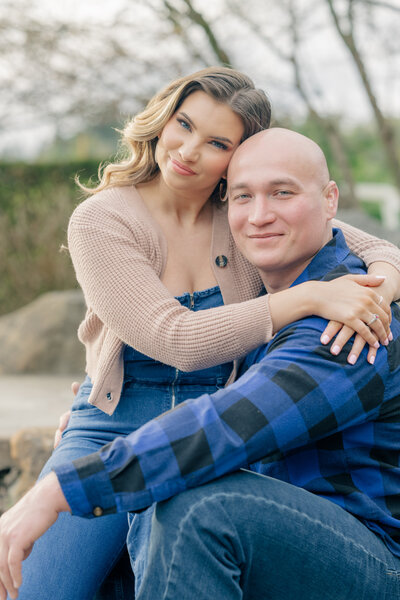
(297, 148)
(281, 203)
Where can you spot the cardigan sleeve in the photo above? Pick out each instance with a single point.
(117, 267)
(368, 247)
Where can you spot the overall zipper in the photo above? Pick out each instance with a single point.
(173, 388)
(191, 305)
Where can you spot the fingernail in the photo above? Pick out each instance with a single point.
(371, 360)
(335, 350)
(390, 337)
(325, 339)
(380, 276)
(376, 345)
(385, 342)
(352, 359)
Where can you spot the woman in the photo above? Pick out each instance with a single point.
(147, 351)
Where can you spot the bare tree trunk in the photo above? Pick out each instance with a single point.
(197, 18)
(385, 130)
(335, 140)
(332, 132)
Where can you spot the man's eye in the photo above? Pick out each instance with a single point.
(283, 193)
(243, 196)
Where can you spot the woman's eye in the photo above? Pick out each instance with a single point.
(184, 124)
(219, 145)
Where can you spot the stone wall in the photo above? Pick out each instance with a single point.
(21, 460)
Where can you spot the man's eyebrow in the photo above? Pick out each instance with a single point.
(272, 182)
(238, 186)
(214, 137)
(284, 181)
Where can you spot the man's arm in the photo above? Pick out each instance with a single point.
(297, 393)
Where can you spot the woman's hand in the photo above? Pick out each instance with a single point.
(64, 419)
(22, 525)
(369, 315)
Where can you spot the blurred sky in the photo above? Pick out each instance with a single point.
(329, 72)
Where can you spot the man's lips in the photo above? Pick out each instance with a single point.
(180, 168)
(263, 236)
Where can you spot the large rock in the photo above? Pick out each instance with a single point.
(41, 337)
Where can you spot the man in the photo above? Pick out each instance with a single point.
(318, 515)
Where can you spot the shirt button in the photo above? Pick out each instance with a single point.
(221, 261)
(97, 511)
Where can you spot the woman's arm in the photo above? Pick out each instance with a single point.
(371, 249)
(115, 267)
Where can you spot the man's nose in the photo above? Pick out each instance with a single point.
(261, 213)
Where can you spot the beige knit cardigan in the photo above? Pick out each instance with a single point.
(119, 254)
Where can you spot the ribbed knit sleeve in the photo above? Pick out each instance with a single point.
(368, 247)
(118, 261)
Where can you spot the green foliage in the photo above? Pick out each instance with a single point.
(363, 147)
(36, 202)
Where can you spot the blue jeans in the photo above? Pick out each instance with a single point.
(72, 559)
(76, 555)
(255, 537)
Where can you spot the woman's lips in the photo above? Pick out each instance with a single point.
(180, 168)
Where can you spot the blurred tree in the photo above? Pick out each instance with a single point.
(95, 67)
(345, 18)
(297, 18)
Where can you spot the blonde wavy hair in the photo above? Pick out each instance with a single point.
(140, 135)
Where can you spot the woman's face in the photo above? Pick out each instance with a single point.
(196, 145)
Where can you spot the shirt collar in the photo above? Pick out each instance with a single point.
(327, 260)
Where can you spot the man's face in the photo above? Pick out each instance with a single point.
(279, 205)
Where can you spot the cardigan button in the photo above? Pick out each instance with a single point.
(97, 511)
(109, 396)
(221, 261)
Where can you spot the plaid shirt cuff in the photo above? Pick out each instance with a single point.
(88, 490)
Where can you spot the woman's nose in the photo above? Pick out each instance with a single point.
(189, 151)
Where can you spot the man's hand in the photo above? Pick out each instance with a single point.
(22, 525)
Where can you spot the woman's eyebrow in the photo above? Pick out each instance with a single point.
(214, 137)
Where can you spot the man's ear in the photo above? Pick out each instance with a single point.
(331, 193)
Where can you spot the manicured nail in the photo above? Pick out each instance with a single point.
(380, 276)
(325, 339)
(385, 342)
(376, 345)
(335, 349)
(352, 359)
(371, 360)
(390, 337)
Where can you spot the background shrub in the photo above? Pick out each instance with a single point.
(36, 202)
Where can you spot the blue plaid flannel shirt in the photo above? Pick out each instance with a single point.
(297, 413)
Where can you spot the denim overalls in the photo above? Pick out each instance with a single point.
(75, 555)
